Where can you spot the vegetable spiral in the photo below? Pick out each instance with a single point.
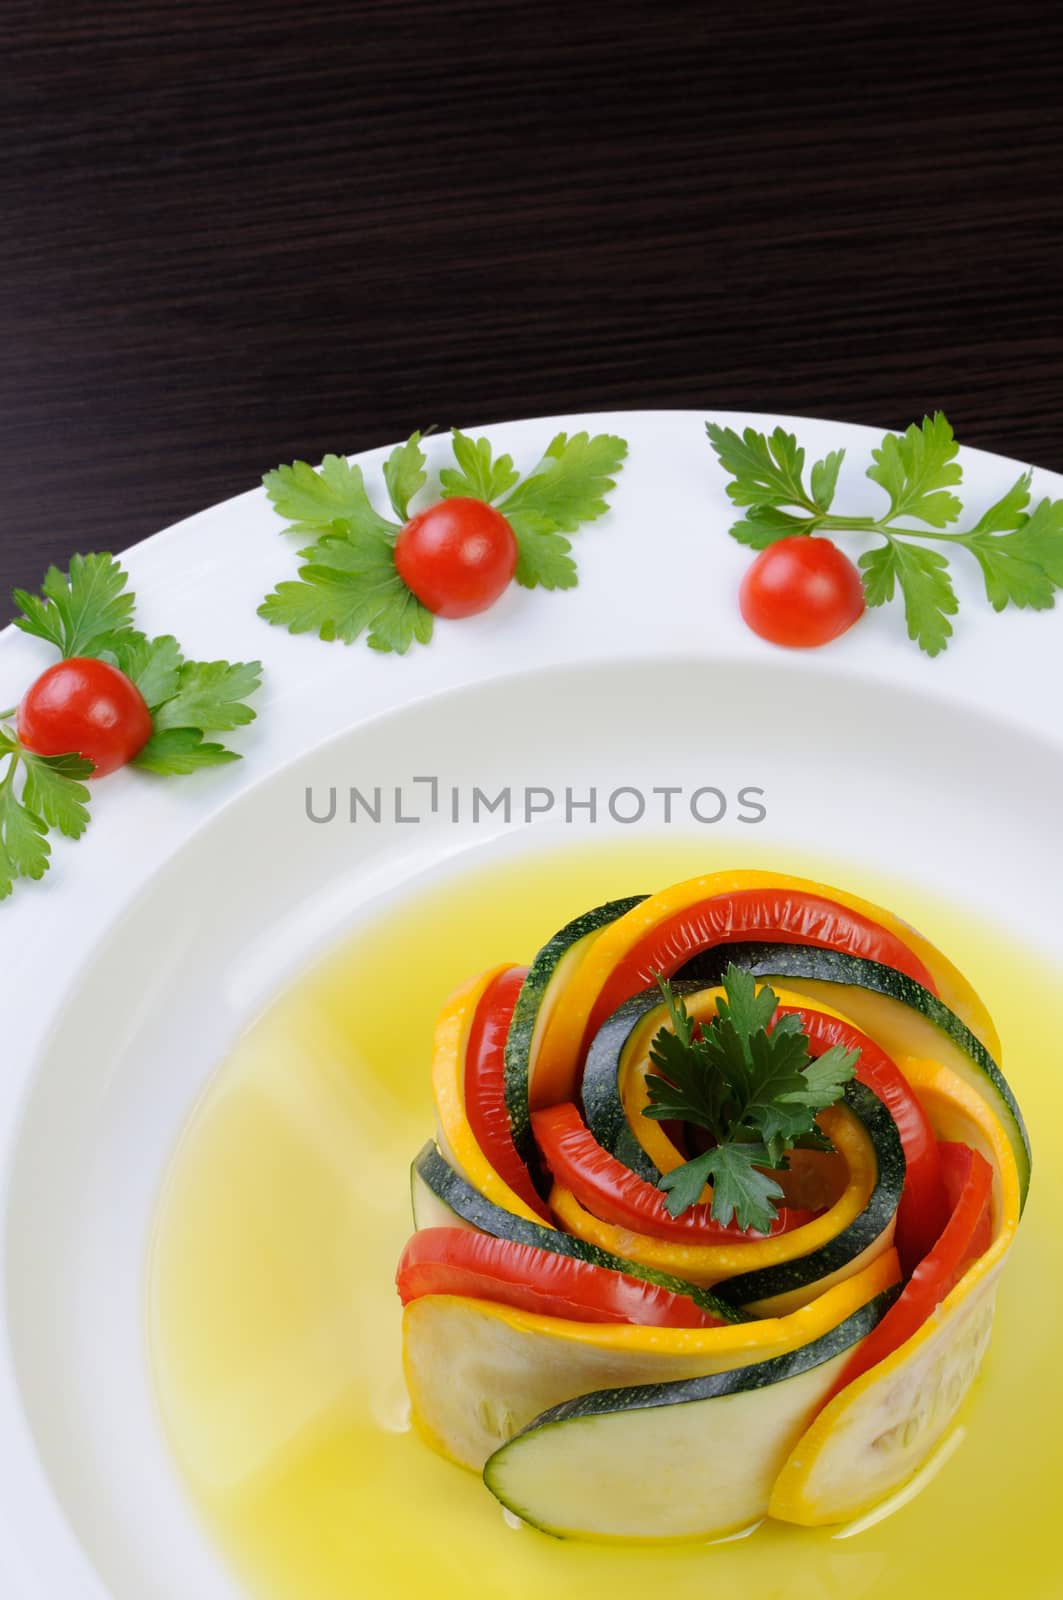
(610, 1339)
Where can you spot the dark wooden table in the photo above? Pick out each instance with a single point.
(234, 234)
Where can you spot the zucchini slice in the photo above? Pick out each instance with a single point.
(894, 1010)
(695, 1458)
(624, 1037)
(546, 978)
(477, 1372)
(448, 1192)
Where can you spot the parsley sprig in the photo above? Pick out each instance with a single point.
(1019, 550)
(348, 585)
(88, 611)
(752, 1086)
(51, 795)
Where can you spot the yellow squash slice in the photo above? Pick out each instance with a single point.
(456, 1138)
(706, 1264)
(478, 1372)
(555, 1066)
(874, 1435)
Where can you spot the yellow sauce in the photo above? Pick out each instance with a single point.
(274, 1325)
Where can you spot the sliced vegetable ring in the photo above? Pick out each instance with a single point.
(721, 1156)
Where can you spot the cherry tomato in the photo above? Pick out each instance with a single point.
(457, 556)
(801, 592)
(924, 1206)
(87, 708)
(966, 1236)
(462, 1261)
(613, 1193)
(485, 1102)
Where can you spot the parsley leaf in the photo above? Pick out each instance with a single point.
(566, 489)
(189, 697)
(749, 1081)
(686, 1092)
(569, 485)
(210, 695)
(1042, 539)
(765, 525)
(52, 797)
(684, 1184)
(1020, 554)
(24, 849)
(923, 578)
(741, 1190)
(825, 1077)
(175, 752)
(768, 476)
(349, 585)
(153, 664)
(477, 475)
(747, 1009)
(77, 611)
(917, 468)
(54, 792)
(1007, 512)
(332, 499)
(543, 559)
(766, 471)
(1023, 567)
(404, 474)
(824, 478)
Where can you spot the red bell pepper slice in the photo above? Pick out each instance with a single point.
(924, 1206)
(464, 1262)
(485, 1102)
(752, 915)
(612, 1192)
(966, 1236)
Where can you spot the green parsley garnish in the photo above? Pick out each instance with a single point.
(1020, 552)
(753, 1087)
(52, 796)
(348, 585)
(88, 611)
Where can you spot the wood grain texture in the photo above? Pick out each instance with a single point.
(237, 234)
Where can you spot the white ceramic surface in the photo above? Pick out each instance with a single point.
(155, 939)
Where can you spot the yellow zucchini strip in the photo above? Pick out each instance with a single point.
(635, 1065)
(706, 1264)
(957, 1111)
(456, 1138)
(555, 1065)
(875, 1434)
(478, 1372)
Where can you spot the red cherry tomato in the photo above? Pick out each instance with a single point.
(457, 556)
(801, 592)
(462, 1261)
(87, 708)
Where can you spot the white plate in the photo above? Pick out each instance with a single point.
(152, 942)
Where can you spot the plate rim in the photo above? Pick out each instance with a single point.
(174, 826)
